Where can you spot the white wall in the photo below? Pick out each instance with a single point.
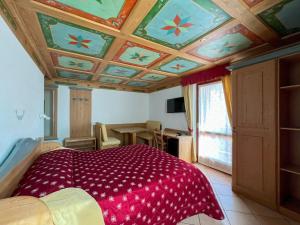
(108, 106)
(63, 112)
(22, 88)
(111, 106)
(158, 109)
(116, 107)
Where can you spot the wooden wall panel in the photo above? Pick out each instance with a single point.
(80, 113)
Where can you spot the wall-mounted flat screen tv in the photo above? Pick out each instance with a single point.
(175, 105)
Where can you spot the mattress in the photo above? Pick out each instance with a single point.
(133, 185)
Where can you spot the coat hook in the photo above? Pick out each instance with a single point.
(20, 114)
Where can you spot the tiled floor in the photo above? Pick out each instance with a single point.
(238, 210)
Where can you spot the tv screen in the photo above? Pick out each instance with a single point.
(175, 105)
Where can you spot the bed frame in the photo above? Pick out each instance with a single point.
(22, 209)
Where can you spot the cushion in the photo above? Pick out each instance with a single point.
(153, 125)
(111, 141)
(145, 135)
(104, 133)
(72, 206)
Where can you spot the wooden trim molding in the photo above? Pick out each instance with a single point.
(293, 49)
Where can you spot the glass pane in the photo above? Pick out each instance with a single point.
(215, 141)
(212, 109)
(48, 111)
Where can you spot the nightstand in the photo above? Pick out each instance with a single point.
(85, 143)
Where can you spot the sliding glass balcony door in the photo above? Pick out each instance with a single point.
(214, 129)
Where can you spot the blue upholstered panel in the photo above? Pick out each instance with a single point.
(19, 152)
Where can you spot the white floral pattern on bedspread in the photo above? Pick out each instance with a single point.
(134, 185)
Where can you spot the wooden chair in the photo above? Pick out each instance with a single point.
(103, 141)
(159, 140)
(151, 125)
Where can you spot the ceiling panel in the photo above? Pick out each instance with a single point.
(135, 54)
(74, 75)
(112, 13)
(110, 80)
(71, 62)
(138, 84)
(153, 77)
(178, 23)
(178, 65)
(70, 37)
(146, 45)
(226, 42)
(121, 71)
(284, 17)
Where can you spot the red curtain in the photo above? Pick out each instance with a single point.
(206, 76)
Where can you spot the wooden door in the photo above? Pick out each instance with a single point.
(254, 132)
(80, 113)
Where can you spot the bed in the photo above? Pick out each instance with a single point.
(134, 184)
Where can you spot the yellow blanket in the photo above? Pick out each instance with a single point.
(73, 206)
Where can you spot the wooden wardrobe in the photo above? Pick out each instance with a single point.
(266, 133)
(254, 132)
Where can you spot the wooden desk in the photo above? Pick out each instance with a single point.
(132, 131)
(183, 145)
(86, 143)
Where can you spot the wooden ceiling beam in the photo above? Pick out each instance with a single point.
(140, 10)
(25, 38)
(100, 69)
(93, 84)
(239, 11)
(262, 6)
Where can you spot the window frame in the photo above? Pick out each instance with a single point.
(53, 90)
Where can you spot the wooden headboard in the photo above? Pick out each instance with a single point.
(22, 209)
(17, 163)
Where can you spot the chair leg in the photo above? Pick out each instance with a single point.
(150, 143)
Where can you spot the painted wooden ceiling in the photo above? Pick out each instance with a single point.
(146, 45)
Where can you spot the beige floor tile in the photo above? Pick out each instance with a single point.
(206, 220)
(226, 179)
(234, 204)
(271, 221)
(222, 189)
(260, 210)
(239, 210)
(236, 218)
(193, 220)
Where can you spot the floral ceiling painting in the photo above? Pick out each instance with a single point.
(147, 45)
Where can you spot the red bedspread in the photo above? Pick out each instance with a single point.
(134, 185)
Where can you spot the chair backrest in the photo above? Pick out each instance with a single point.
(104, 132)
(100, 134)
(158, 139)
(153, 125)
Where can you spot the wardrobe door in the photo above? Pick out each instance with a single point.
(254, 132)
